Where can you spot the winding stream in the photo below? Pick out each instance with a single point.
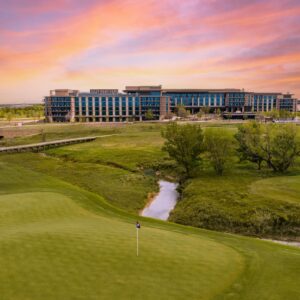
(163, 203)
(295, 244)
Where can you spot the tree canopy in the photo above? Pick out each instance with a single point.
(184, 143)
(276, 145)
(219, 146)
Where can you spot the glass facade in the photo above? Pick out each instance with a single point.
(60, 108)
(196, 99)
(134, 104)
(263, 102)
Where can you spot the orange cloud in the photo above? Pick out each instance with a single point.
(99, 24)
(170, 42)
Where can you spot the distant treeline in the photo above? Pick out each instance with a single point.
(10, 113)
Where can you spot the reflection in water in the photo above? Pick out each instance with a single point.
(164, 202)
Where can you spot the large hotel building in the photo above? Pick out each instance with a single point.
(108, 105)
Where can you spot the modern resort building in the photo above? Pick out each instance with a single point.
(110, 105)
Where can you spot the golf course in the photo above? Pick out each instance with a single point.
(68, 219)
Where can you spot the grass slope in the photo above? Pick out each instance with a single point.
(59, 241)
(122, 168)
(244, 201)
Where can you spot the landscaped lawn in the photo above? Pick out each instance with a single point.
(68, 226)
(59, 241)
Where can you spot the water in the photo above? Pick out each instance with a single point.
(295, 244)
(164, 202)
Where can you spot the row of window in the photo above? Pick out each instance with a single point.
(109, 112)
(194, 95)
(198, 102)
(107, 102)
(261, 97)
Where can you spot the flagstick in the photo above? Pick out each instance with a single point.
(137, 242)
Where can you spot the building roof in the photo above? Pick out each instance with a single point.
(143, 88)
(201, 90)
(265, 93)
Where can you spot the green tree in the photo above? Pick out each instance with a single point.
(205, 110)
(184, 143)
(169, 116)
(285, 114)
(181, 111)
(280, 146)
(9, 116)
(149, 115)
(249, 138)
(200, 114)
(277, 145)
(34, 111)
(218, 144)
(274, 114)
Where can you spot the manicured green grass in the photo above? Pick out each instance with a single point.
(59, 241)
(280, 188)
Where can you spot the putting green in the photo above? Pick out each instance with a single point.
(58, 241)
(53, 248)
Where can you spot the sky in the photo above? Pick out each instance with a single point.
(87, 44)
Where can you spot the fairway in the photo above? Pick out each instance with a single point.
(52, 246)
(284, 187)
(61, 242)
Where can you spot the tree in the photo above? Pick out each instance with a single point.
(184, 143)
(149, 115)
(181, 111)
(30, 111)
(277, 145)
(285, 114)
(200, 114)
(169, 116)
(205, 110)
(280, 146)
(249, 139)
(218, 144)
(274, 114)
(9, 117)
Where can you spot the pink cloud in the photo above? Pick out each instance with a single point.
(218, 39)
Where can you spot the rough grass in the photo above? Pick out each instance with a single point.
(122, 167)
(245, 201)
(125, 189)
(49, 132)
(130, 150)
(59, 241)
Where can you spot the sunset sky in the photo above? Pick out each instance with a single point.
(87, 44)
